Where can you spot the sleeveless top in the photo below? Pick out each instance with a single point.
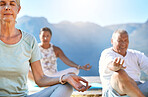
(49, 60)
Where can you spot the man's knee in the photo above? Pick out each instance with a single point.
(119, 81)
(120, 75)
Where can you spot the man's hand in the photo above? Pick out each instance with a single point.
(86, 67)
(117, 64)
(76, 82)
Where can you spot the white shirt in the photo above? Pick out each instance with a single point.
(134, 61)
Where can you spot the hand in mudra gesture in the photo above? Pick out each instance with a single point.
(77, 82)
(86, 67)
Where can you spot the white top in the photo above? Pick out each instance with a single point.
(134, 61)
(49, 60)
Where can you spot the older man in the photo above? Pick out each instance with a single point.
(120, 68)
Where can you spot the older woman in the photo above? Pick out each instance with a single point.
(18, 50)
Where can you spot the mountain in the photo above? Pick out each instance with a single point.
(137, 35)
(83, 42)
(130, 27)
(32, 24)
(139, 38)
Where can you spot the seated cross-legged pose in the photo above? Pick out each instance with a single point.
(50, 53)
(120, 67)
(18, 51)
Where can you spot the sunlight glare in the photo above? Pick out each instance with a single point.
(81, 7)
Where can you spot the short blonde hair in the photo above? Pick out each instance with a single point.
(18, 2)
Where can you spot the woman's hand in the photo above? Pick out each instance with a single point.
(76, 82)
(86, 67)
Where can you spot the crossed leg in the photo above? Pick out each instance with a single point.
(124, 85)
(58, 90)
(62, 72)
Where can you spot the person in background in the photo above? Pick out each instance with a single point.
(120, 69)
(50, 54)
(18, 51)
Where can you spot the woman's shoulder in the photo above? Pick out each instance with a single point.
(56, 47)
(27, 35)
(28, 38)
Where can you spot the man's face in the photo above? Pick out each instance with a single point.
(120, 43)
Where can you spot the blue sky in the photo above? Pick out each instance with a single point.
(101, 12)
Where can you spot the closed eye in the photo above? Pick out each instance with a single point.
(13, 3)
(2, 3)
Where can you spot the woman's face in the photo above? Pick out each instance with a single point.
(45, 37)
(8, 10)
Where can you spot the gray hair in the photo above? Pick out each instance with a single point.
(119, 31)
(18, 2)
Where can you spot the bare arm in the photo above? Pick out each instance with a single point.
(30, 75)
(39, 77)
(43, 80)
(67, 61)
